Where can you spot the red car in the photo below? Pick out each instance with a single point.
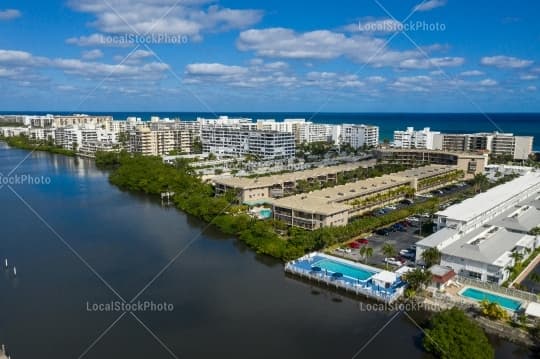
(354, 245)
(362, 241)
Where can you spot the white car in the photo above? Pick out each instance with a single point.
(393, 261)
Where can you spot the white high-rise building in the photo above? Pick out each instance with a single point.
(239, 141)
(409, 139)
(360, 135)
(304, 131)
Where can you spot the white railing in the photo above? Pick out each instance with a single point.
(498, 289)
(349, 287)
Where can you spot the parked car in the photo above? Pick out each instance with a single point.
(382, 232)
(409, 255)
(354, 245)
(407, 202)
(362, 241)
(404, 251)
(393, 261)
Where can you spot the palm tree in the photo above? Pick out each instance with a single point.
(389, 251)
(366, 252)
(493, 310)
(431, 256)
(517, 257)
(417, 278)
(480, 181)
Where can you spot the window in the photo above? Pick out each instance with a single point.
(474, 275)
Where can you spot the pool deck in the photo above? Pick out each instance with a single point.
(477, 301)
(302, 268)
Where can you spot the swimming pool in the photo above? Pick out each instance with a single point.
(479, 295)
(347, 270)
(265, 213)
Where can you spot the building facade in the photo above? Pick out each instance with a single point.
(478, 237)
(411, 138)
(242, 141)
(335, 206)
(470, 163)
(358, 136)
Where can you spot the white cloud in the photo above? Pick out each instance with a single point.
(214, 69)
(506, 62)
(471, 73)
(415, 79)
(432, 62)
(9, 14)
(528, 77)
(376, 79)
(98, 40)
(92, 54)
(324, 45)
(26, 66)
(429, 5)
(188, 18)
(531, 88)
(488, 83)
(13, 56)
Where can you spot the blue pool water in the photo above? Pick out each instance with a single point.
(480, 295)
(346, 270)
(265, 213)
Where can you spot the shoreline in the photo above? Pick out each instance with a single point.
(501, 330)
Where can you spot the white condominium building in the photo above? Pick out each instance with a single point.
(477, 237)
(304, 131)
(157, 142)
(498, 144)
(360, 135)
(241, 141)
(409, 139)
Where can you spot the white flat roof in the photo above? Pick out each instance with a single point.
(475, 206)
(533, 309)
(385, 276)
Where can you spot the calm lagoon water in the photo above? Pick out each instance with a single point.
(228, 302)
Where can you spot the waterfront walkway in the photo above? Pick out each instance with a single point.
(521, 277)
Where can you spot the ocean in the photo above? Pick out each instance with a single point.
(525, 124)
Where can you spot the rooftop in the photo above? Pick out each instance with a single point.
(426, 171)
(440, 271)
(331, 200)
(522, 218)
(488, 244)
(414, 150)
(267, 181)
(473, 207)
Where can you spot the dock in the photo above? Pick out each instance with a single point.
(361, 288)
(3, 354)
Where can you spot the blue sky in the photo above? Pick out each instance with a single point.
(231, 55)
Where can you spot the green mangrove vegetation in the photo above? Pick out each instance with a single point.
(452, 335)
(23, 142)
(151, 176)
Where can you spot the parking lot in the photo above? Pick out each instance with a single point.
(398, 239)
